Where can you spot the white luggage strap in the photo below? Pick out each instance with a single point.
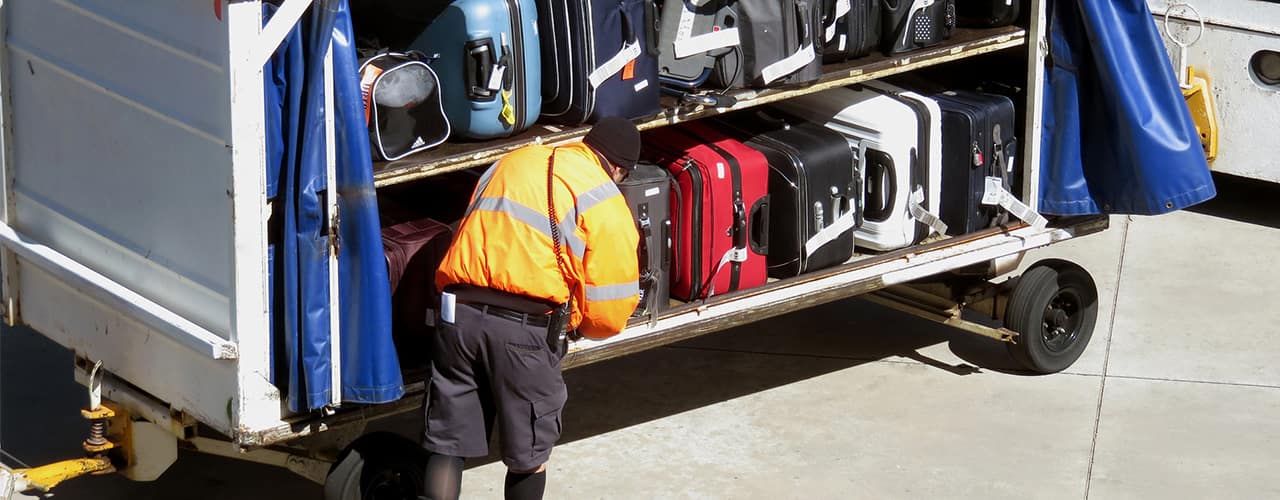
(686, 44)
(828, 234)
(615, 64)
(842, 7)
(994, 193)
(736, 254)
(923, 216)
(789, 65)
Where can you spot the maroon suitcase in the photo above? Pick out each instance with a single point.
(720, 209)
(414, 249)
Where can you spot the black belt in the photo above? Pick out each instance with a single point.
(540, 320)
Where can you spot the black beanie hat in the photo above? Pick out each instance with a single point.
(617, 140)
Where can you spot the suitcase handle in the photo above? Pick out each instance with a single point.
(479, 68)
(652, 29)
(759, 222)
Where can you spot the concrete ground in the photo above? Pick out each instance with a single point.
(1177, 396)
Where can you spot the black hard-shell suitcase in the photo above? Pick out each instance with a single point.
(815, 196)
(988, 13)
(851, 29)
(915, 24)
(648, 192)
(781, 44)
(978, 141)
(601, 59)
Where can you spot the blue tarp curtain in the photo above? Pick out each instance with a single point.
(296, 108)
(1117, 135)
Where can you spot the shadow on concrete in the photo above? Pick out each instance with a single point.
(654, 384)
(1244, 200)
(40, 421)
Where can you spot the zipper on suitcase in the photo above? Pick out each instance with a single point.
(739, 215)
(517, 62)
(802, 191)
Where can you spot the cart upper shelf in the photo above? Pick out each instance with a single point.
(456, 156)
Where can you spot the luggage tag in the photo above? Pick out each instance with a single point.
(923, 216)
(615, 64)
(508, 114)
(707, 42)
(789, 65)
(994, 193)
(842, 7)
(495, 77)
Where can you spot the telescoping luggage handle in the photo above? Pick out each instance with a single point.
(802, 57)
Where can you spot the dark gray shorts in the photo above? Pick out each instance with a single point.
(485, 369)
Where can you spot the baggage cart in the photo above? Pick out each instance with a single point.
(135, 224)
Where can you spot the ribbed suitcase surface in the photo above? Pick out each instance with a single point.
(601, 59)
(851, 28)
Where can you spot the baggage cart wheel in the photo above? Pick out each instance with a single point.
(381, 466)
(1053, 307)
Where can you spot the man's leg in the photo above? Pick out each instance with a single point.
(456, 415)
(526, 485)
(530, 394)
(444, 477)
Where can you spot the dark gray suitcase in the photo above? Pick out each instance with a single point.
(815, 193)
(691, 36)
(851, 29)
(648, 192)
(781, 44)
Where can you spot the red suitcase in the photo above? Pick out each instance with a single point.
(720, 210)
(414, 249)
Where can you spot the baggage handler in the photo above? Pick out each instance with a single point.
(516, 288)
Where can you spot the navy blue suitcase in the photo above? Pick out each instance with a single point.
(601, 59)
(978, 141)
(489, 65)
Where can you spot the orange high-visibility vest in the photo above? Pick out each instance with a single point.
(504, 241)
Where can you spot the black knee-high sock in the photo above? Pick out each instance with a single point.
(443, 479)
(525, 486)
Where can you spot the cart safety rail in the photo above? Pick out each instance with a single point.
(862, 275)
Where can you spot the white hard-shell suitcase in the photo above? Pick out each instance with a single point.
(898, 137)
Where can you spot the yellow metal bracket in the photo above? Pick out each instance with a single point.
(45, 477)
(108, 439)
(1199, 96)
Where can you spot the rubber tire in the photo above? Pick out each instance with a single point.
(382, 466)
(1025, 314)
